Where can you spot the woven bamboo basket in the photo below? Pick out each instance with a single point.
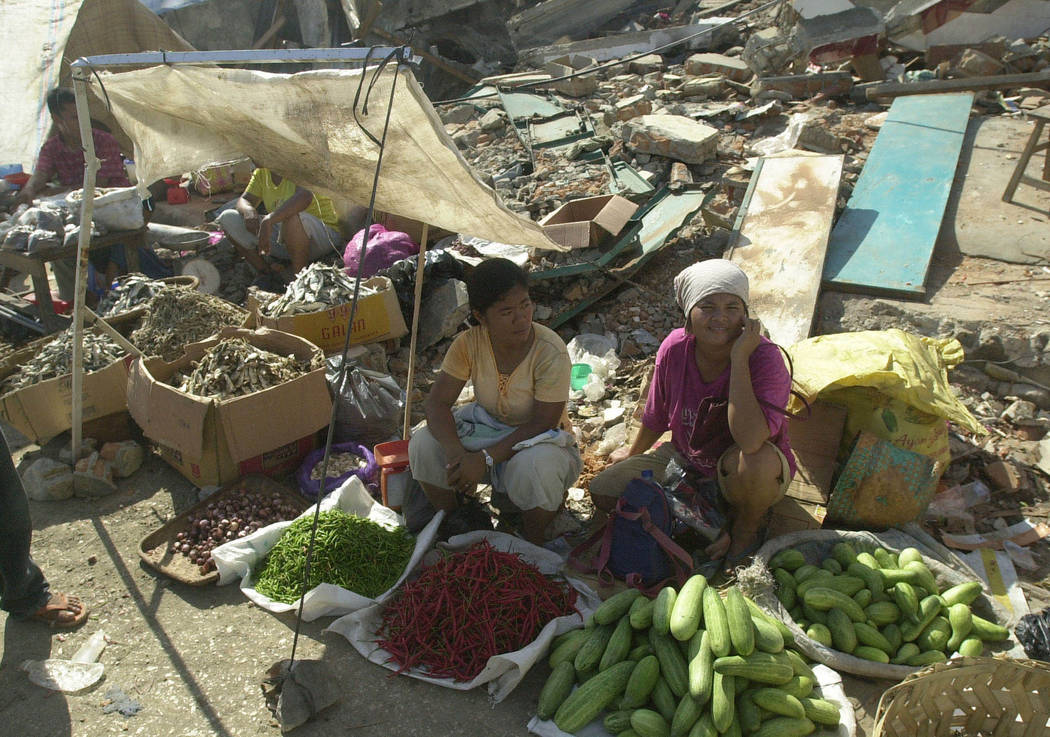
(967, 697)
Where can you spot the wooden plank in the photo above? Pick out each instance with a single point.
(782, 238)
(884, 239)
(815, 439)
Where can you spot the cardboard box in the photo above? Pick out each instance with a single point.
(378, 318)
(815, 440)
(43, 410)
(211, 441)
(793, 515)
(586, 222)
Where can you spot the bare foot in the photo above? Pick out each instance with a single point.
(62, 611)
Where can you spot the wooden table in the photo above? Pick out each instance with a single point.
(1041, 116)
(34, 265)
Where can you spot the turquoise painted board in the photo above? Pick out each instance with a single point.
(884, 239)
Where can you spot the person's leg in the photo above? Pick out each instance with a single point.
(426, 461)
(751, 483)
(536, 479)
(608, 485)
(65, 271)
(296, 241)
(25, 590)
(244, 241)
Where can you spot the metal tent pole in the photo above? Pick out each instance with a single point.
(415, 331)
(87, 206)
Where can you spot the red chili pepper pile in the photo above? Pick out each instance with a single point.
(468, 607)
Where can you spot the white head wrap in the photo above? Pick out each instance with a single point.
(714, 276)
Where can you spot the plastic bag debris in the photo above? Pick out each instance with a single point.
(69, 676)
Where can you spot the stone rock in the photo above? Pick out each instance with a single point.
(47, 480)
(126, 457)
(93, 476)
(646, 64)
(769, 53)
(702, 87)
(1004, 475)
(815, 136)
(612, 416)
(466, 138)
(493, 120)
(459, 114)
(632, 107)
(974, 63)
(443, 312)
(672, 136)
(725, 66)
(87, 447)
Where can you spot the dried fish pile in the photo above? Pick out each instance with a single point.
(56, 359)
(338, 464)
(234, 367)
(181, 316)
(316, 287)
(131, 291)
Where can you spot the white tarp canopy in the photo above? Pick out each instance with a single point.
(41, 38)
(303, 126)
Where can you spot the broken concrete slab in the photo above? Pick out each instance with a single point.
(672, 136)
(974, 63)
(554, 19)
(443, 311)
(577, 86)
(493, 120)
(625, 44)
(702, 88)
(632, 107)
(704, 65)
(646, 64)
(770, 52)
(800, 86)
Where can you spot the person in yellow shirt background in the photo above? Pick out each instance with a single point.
(297, 225)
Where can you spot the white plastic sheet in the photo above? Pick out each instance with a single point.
(239, 558)
(502, 672)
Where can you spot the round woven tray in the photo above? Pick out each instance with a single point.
(967, 697)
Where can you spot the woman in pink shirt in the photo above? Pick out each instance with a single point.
(717, 363)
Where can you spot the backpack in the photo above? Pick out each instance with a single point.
(635, 544)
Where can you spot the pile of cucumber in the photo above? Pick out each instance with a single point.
(685, 664)
(881, 606)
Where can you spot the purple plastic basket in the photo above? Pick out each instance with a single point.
(309, 487)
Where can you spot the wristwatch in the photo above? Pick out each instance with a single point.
(489, 460)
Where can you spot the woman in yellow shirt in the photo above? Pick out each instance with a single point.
(520, 371)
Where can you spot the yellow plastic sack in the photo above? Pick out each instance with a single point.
(894, 384)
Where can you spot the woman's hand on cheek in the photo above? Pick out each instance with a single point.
(748, 341)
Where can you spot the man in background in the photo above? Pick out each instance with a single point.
(297, 225)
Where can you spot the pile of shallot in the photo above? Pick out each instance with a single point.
(228, 519)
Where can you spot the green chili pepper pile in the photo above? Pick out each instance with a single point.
(351, 552)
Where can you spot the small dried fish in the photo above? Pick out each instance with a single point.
(338, 464)
(56, 359)
(131, 291)
(178, 316)
(316, 287)
(234, 367)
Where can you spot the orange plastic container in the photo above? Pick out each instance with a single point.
(392, 458)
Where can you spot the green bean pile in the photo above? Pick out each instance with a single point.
(350, 551)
